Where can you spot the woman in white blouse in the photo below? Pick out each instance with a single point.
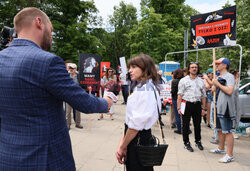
(142, 111)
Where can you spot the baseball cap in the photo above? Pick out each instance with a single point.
(210, 70)
(223, 60)
(72, 65)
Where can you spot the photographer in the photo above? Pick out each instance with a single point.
(6, 36)
(225, 106)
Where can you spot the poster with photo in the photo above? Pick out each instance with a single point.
(89, 70)
(104, 66)
(214, 29)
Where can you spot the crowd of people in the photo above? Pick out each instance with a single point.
(40, 83)
(193, 97)
(188, 86)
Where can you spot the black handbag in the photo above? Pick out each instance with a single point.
(152, 155)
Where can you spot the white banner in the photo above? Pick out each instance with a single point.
(123, 65)
(165, 92)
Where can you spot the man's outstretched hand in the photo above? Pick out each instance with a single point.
(109, 100)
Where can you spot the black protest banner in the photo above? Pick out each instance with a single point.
(89, 71)
(214, 29)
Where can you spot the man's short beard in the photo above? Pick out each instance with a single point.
(46, 43)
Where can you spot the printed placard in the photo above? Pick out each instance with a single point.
(165, 93)
(214, 29)
(89, 71)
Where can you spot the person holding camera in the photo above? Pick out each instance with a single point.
(225, 107)
(108, 83)
(77, 116)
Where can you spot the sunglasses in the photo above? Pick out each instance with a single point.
(193, 63)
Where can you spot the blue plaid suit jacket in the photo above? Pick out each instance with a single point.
(33, 85)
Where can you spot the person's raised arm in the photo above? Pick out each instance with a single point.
(208, 80)
(59, 84)
(226, 89)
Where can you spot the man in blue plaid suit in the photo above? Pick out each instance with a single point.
(33, 85)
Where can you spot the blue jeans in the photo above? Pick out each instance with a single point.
(125, 92)
(177, 116)
(224, 124)
(209, 98)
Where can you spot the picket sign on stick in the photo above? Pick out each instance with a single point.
(214, 93)
(89, 115)
(170, 114)
(160, 127)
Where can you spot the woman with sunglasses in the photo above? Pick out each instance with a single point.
(108, 82)
(141, 113)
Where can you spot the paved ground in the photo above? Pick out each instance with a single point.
(94, 149)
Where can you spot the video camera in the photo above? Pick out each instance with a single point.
(6, 35)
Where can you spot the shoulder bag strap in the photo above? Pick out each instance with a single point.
(162, 134)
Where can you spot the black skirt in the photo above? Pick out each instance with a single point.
(132, 163)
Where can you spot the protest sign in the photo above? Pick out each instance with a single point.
(165, 94)
(89, 71)
(123, 65)
(214, 29)
(104, 66)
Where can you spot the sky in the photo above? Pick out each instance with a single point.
(105, 7)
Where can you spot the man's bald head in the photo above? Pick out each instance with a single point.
(26, 16)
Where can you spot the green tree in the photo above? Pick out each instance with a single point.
(243, 31)
(243, 37)
(232, 53)
(175, 16)
(70, 20)
(107, 45)
(153, 37)
(122, 21)
(9, 8)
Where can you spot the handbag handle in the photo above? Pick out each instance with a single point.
(162, 134)
(157, 141)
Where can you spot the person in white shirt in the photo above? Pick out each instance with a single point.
(124, 84)
(141, 113)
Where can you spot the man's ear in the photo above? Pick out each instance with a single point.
(39, 23)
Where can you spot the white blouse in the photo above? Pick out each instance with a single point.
(142, 112)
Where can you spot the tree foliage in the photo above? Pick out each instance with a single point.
(151, 36)
(158, 30)
(122, 21)
(243, 37)
(70, 20)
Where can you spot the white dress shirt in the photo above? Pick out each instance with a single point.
(192, 90)
(142, 112)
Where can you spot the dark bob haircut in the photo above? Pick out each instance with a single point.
(178, 74)
(146, 64)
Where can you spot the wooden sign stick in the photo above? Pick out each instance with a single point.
(214, 93)
(89, 115)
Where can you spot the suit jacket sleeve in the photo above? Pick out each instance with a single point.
(59, 84)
